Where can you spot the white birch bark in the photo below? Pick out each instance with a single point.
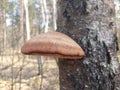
(27, 19)
(43, 14)
(54, 15)
(46, 15)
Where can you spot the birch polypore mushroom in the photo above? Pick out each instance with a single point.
(53, 44)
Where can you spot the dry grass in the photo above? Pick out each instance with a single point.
(18, 73)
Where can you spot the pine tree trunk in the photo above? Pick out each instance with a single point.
(91, 24)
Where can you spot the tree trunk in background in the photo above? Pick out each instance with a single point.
(4, 24)
(91, 24)
(54, 15)
(46, 15)
(1, 45)
(43, 14)
(27, 19)
(22, 19)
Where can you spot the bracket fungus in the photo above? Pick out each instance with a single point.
(54, 44)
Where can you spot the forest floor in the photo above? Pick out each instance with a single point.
(18, 73)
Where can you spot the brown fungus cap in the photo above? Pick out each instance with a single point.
(53, 44)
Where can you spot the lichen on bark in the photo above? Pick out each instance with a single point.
(91, 24)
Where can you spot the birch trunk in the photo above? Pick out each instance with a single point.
(54, 15)
(43, 14)
(27, 19)
(91, 24)
(46, 15)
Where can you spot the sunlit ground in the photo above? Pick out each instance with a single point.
(19, 74)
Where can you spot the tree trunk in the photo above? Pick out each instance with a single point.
(46, 15)
(91, 24)
(4, 25)
(22, 19)
(54, 15)
(43, 14)
(27, 19)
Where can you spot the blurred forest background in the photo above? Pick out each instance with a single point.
(21, 20)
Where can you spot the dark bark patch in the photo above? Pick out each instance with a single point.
(107, 53)
(96, 7)
(111, 24)
(66, 15)
(112, 12)
(79, 6)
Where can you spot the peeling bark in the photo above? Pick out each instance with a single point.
(91, 24)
